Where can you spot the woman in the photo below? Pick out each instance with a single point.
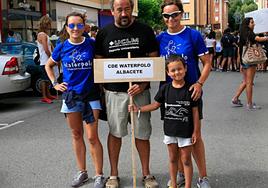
(211, 45)
(44, 48)
(218, 56)
(80, 95)
(248, 71)
(179, 39)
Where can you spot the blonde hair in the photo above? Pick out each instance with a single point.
(45, 24)
(218, 35)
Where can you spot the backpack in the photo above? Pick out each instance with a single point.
(36, 56)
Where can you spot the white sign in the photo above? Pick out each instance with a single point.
(260, 19)
(128, 69)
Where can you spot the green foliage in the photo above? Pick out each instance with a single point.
(149, 12)
(237, 10)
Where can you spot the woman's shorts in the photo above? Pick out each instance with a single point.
(210, 50)
(244, 66)
(182, 142)
(44, 76)
(95, 105)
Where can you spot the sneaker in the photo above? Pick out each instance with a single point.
(180, 180)
(46, 100)
(236, 103)
(79, 179)
(150, 182)
(99, 181)
(253, 107)
(112, 182)
(203, 183)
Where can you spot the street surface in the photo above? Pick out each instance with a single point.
(36, 149)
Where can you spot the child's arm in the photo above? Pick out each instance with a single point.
(196, 121)
(147, 108)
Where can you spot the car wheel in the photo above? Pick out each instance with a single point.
(36, 85)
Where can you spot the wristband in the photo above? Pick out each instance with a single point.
(199, 83)
(54, 83)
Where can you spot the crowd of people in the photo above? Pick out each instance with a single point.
(183, 49)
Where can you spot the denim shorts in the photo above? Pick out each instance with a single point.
(182, 142)
(95, 105)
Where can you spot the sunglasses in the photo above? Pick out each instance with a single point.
(78, 26)
(172, 14)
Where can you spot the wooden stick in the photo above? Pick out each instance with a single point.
(134, 168)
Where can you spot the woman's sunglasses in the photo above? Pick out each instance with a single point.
(78, 26)
(172, 14)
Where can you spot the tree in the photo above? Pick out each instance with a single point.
(149, 12)
(237, 10)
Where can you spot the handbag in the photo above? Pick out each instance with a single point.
(253, 54)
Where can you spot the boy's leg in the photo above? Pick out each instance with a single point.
(173, 154)
(187, 165)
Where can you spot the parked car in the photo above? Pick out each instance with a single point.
(26, 50)
(13, 77)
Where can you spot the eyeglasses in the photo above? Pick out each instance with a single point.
(172, 14)
(78, 26)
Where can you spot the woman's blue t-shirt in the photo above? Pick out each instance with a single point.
(77, 64)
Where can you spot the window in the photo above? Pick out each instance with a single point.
(186, 16)
(185, 1)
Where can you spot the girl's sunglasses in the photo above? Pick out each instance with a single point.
(78, 26)
(172, 14)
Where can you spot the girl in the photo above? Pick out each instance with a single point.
(80, 95)
(181, 118)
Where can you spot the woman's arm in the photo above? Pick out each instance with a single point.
(42, 39)
(261, 39)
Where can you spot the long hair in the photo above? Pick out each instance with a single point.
(45, 24)
(244, 28)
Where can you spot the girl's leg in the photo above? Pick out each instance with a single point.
(173, 153)
(241, 87)
(250, 73)
(75, 122)
(187, 165)
(95, 145)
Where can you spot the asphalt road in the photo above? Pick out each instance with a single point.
(36, 150)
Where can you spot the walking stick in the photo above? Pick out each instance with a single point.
(134, 168)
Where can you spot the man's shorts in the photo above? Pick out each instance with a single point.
(118, 115)
(228, 52)
(95, 105)
(182, 142)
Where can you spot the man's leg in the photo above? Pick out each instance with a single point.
(143, 147)
(114, 146)
(199, 157)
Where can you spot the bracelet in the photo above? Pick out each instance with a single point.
(54, 83)
(199, 83)
(139, 112)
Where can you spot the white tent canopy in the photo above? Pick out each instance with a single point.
(260, 18)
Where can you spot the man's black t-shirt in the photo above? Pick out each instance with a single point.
(178, 119)
(227, 40)
(114, 42)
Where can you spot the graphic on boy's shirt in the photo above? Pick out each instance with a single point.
(78, 61)
(177, 111)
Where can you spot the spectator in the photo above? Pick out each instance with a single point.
(179, 39)
(211, 45)
(218, 56)
(140, 42)
(228, 52)
(247, 36)
(80, 97)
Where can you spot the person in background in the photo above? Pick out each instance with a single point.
(140, 42)
(45, 49)
(248, 71)
(80, 96)
(11, 37)
(218, 49)
(211, 45)
(182, 126)
(93, 32)
(235, 60)
(179, 39)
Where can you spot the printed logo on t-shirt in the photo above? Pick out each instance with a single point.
(172, 48)
(177, 111)
(78, 61)
(124, 44)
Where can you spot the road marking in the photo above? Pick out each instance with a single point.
(5, 125)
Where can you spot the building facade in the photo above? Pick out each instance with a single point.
(262, 4)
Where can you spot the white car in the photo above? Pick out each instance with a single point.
(13, 77)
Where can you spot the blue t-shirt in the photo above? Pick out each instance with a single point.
(189, 44)
(77, 61)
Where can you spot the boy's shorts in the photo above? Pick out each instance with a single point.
(182, 142)
(95, 105)
(119, 117)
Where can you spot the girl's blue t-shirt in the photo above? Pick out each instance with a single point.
(189, 44)
(77, 64)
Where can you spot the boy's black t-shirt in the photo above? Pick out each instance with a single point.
(178, 119)
(114, 42)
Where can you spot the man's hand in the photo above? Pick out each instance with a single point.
(197, 91)
(136, 89)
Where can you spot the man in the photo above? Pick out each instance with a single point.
(115, 41)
